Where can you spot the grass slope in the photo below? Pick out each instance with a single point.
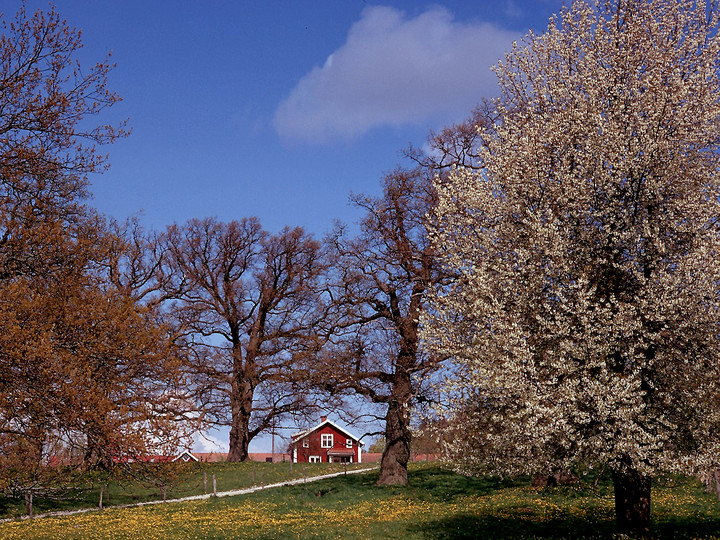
(192, 479)
(437, 504)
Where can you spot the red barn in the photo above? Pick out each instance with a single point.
(325, 443)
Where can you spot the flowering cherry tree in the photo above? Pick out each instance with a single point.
(585, 319)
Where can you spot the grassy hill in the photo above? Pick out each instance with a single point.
(180, 480)
(437, 504)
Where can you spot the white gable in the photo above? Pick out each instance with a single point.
(297, 436)
(186, 457)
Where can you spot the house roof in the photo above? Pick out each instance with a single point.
(185, 456)
(299, 435)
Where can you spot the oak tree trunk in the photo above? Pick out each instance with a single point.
(97, 455)
(393, 466)
(632, 502)
(241, 398)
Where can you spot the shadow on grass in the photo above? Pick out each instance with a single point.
(687, 529)
(446, 485)
(13, 507)
(425, 483)
(468, 526)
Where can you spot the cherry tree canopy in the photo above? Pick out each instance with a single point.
(585, 322)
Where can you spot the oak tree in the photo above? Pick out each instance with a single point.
(90, 376)
(586, 312)
(48, 140)
(379, 282)
(246, 302)
(85, 368)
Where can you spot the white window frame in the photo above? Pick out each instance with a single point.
(314, 459)
(348, 443)
(306, 443)
(326, 440)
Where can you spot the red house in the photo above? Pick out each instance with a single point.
(325, 443)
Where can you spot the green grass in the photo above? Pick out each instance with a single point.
(193, 479)
(437, 504)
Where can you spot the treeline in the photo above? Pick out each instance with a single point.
(117, 342)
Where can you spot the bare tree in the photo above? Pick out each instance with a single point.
(246, 302)
(381, 278)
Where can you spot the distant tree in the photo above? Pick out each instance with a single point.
(586, 312)
(246, 302)
(377, 446)
(428, 436)
(380, 281)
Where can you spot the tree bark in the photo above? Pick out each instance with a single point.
(241, 402)
(393, 466)
(29, 503)
(241, 407)
(632, 502)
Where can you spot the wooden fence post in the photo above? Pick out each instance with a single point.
(214, 486)
(29, 503)
(204, 481)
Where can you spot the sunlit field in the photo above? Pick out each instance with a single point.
(437, 504)
(189, 480)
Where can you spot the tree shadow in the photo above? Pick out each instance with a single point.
(468, 526)
(512, 522)
(464, 526)
(446, 485)
(687, 529)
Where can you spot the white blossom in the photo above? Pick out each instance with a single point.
(586, 316)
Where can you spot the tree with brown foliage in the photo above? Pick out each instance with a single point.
(85, 369)
(44, 160)
(246, 302)
(47, 139)
(90, 376)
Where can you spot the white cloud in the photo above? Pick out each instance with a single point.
(208, 442)
(395, 71)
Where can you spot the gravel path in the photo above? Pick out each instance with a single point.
(195, 497)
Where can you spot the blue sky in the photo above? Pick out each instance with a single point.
(279, 108)
(237, 111)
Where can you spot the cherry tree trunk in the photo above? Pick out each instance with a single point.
(632, 502)
(393, 466)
